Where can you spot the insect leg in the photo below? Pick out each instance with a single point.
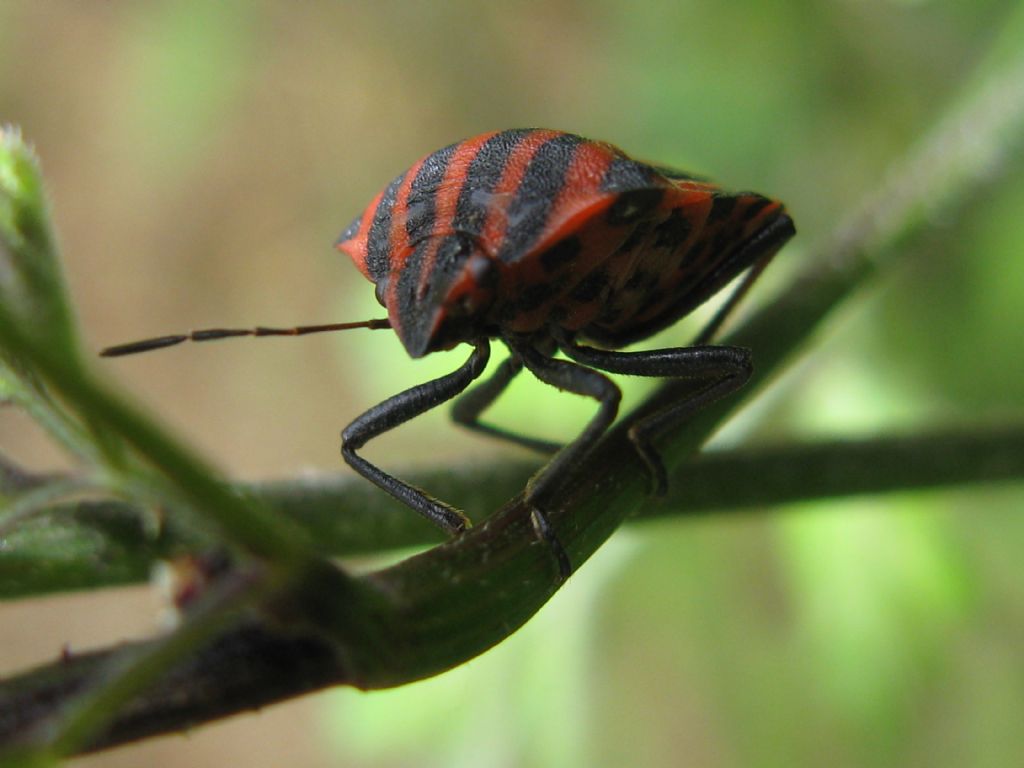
(760, 264)
(721, 369)
(469, 406)
(398, 410)
(571, 377)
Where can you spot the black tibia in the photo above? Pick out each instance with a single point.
(722, 370)
(468, 407)
(400, 409)
(570, 377)
(714, 325)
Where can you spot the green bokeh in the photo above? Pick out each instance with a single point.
(885, 632)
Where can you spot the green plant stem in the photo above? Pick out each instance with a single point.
(32, 501)
(254, 665)
(239, 522)
(128, 674)
(941, 175)
(346, 517)
(242, 669)
(442, 607)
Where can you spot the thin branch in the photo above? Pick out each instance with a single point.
(438, 609)
(255, 664)
(249, 667)
(106, 543)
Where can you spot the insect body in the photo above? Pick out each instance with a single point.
(549, 242)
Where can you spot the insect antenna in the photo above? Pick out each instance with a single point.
(211, 334)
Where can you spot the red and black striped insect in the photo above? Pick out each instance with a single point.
(551, 243)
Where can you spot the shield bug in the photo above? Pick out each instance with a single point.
(551, 243)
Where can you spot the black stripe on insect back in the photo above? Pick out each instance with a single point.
(754, 206)
(541, 183)
(673, 231)
(483, 175)
(722, 207)
(640, 189)
(590, 287)
(414, 323)
(351, 230)
(421, 205)
(378, 245)
(624, 173)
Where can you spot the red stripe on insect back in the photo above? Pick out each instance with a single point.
(581, 197)
(576, 242)
(357, 247)
(447, 198)
(764, 211)
(398, 239)
(493, 233)
(399, 246)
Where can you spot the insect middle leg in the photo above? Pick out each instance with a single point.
(723, 370)
(400, 409)
(570, 377)
(467, 408)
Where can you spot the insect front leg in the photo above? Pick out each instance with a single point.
(722, 369)
(398, 410)
(467, 408)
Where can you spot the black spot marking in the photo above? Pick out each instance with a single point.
(590, 288)
(534, 296)
(673, 231)
(561, 254)
(722, 207)
(635, 239)
(695, 255)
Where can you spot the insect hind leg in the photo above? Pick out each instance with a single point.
(570, 377)
(468, 407)
(768, 243)
(721, 370)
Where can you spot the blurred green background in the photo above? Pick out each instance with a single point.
(201, 159)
